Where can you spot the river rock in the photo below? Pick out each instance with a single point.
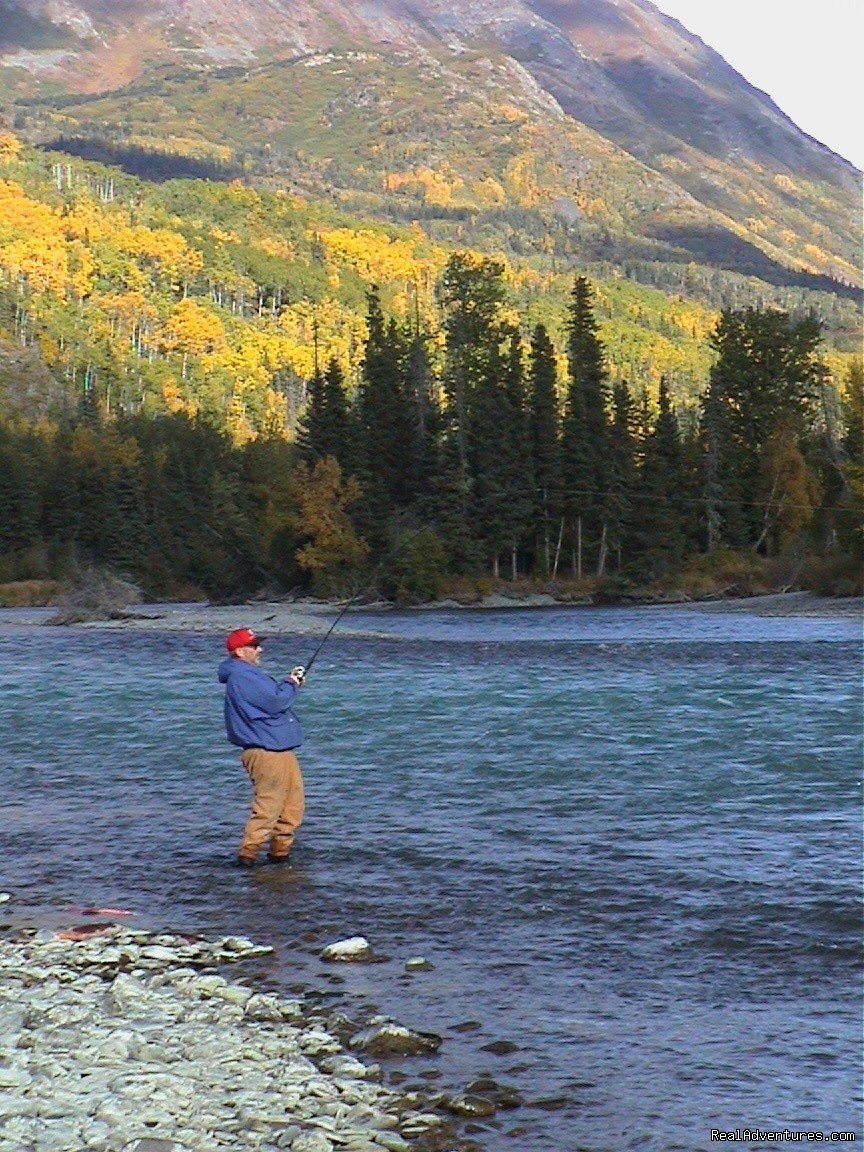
(347, 1066)
(355, 950)
(501, 1095)
(93, 1057)
(263, 1007)
(311, 1142)
(500, 1047)
(467, 1104)
(418, 964)
(152, 1144)
(384, 1037)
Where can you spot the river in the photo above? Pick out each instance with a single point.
(628, 840)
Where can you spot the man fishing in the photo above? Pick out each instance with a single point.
(259, 718)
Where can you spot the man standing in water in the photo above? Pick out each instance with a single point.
(259, 719)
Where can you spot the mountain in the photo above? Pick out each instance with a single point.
(577, 131)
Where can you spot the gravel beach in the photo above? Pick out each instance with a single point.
(129, 1041)
(313, 617)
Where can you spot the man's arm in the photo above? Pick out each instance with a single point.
(264, 693)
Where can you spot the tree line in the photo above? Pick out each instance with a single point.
(507, 468)
(496, 453)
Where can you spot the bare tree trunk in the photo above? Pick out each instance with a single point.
(604, 548)
(496, 572)
(514, 561)
(558, 549)
(546, 530)
(768, 522)
(578, 547)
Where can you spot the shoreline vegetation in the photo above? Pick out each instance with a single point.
(119, 605)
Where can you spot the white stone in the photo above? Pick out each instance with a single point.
(311, 1142)
(354, 948)
(159, 952)
(345, 1066)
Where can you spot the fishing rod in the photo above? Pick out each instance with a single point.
(302, 671)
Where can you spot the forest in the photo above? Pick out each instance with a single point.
(213, 390)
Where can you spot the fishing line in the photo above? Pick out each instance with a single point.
(303, 670)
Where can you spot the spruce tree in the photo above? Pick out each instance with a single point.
(488, 451)
(339, 436)
(622, 472)
(424, 423)
(768, 372)
(585, 430)
(543, 431)
(471, 293)
(385, 419)
(520, 482)
(660, 532)
(500, 459)
(312, 425)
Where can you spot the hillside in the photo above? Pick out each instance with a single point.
(567, 133)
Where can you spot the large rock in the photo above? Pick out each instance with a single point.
(384, 1037)
(355, 950)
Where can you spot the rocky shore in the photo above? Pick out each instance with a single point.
(314, 617)
(128, 1041)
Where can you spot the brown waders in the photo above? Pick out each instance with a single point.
(277, 806)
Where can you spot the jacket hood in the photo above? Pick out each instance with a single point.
(227, 667)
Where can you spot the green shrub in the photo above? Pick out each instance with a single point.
(417, 567)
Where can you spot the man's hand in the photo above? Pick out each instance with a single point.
(297, 676)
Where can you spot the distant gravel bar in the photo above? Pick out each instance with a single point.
(128, 1041)
(314, 617)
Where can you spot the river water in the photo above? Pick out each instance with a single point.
(628, 840)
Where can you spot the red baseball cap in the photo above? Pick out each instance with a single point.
(243, 638)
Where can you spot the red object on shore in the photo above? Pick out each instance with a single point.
(102, 912)
(84, 931)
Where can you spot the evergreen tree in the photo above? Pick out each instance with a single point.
(543, 429)
(452, 496)
(661, 536)
(488, 453)
(424, 421)
(21, 488)
(622, 471)
(499, 457)
(312, 425)
(471, 293)
(585, 430)
(385, 419)
(339, 434)
(326, 426)
(768, 373)
(850, 521)
(519, 482)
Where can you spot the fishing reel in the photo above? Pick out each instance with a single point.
(298, 673)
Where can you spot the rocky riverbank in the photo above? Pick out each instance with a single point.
(314, 617)
(127, 1041)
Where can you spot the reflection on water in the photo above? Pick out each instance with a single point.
(629, 842)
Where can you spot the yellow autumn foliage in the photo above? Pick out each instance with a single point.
(10, 147)
(32, 247)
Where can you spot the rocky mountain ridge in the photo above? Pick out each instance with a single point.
(713, 171)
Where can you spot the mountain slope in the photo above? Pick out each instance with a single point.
(603, 128)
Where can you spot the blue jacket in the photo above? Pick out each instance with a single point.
(258, 711)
